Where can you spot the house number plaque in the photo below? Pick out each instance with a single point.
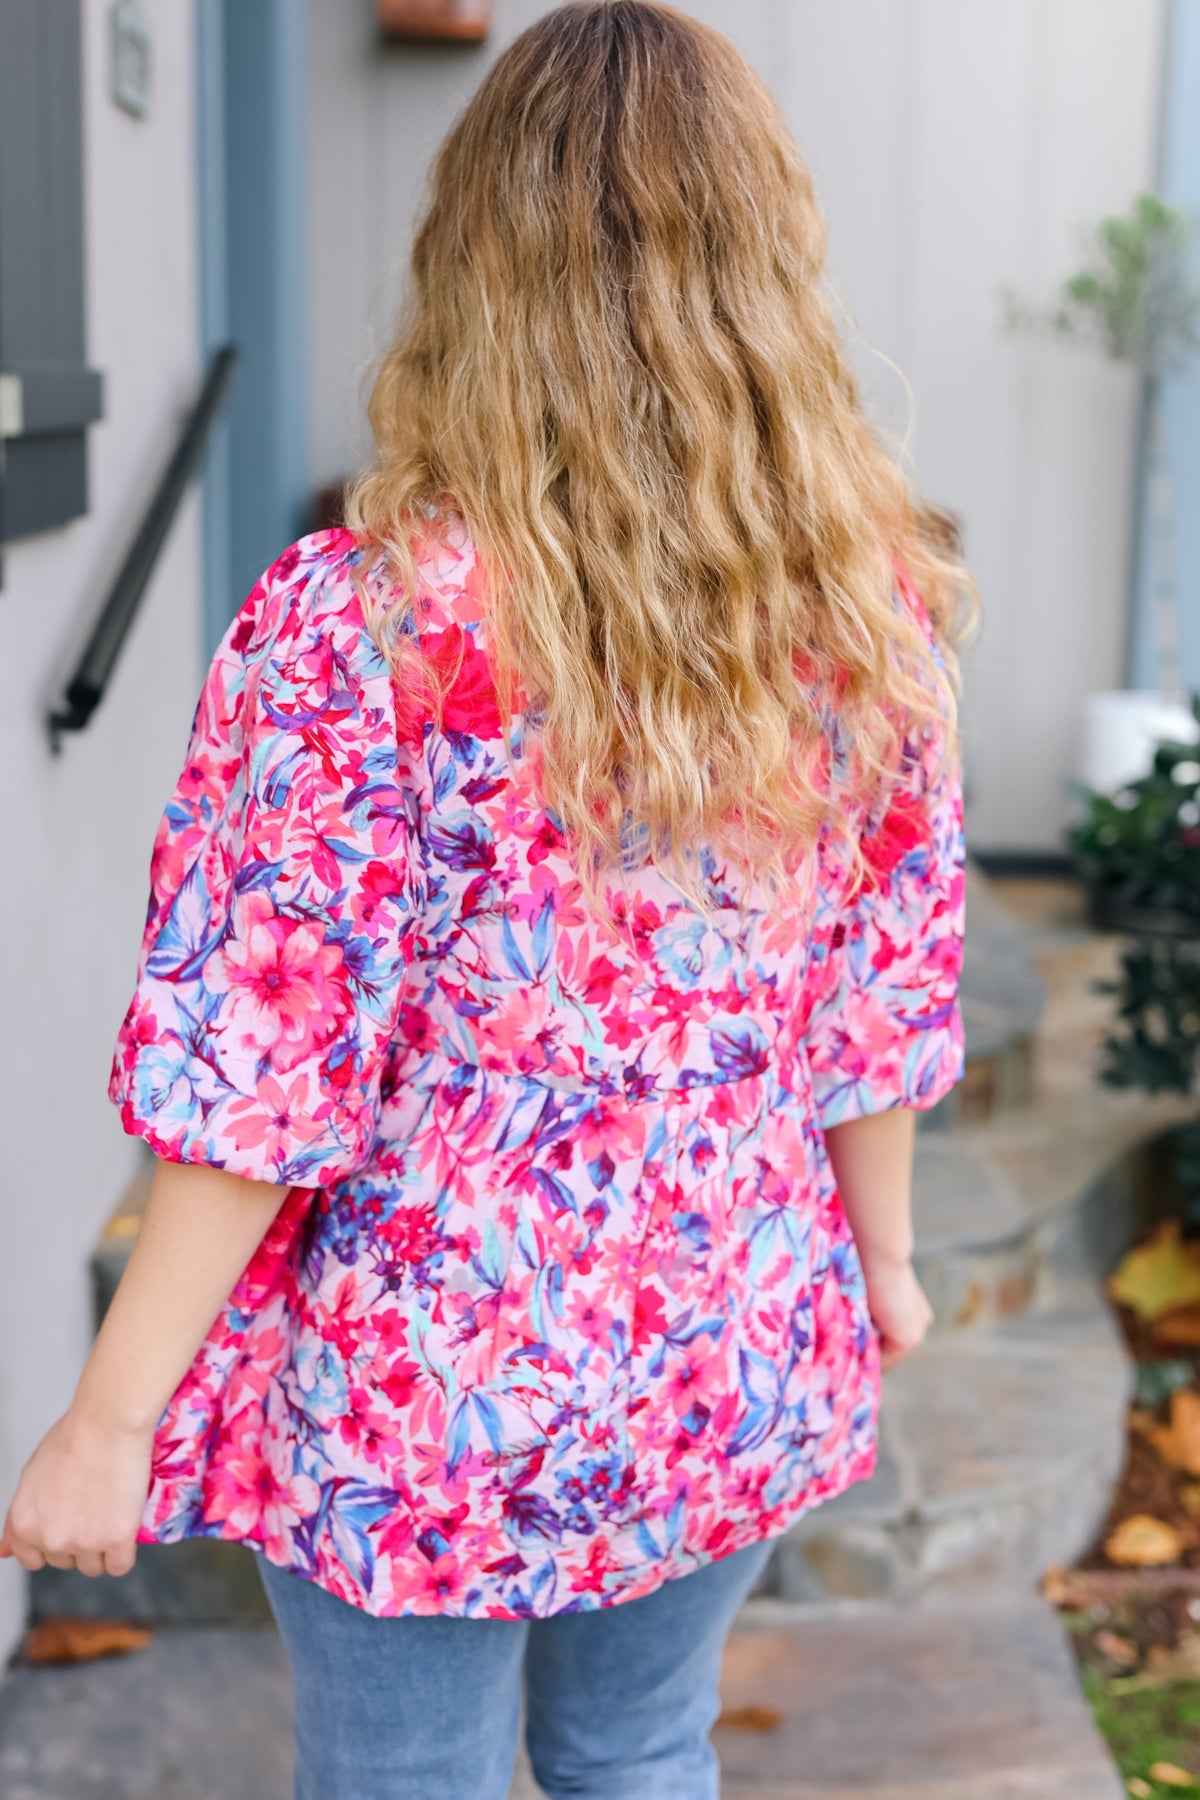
(436, 21)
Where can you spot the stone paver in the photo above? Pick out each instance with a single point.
(1002, 995)
(976, 1240)
(203, 1713)
(972, 1699)
(976, 1700)
(960, 1199)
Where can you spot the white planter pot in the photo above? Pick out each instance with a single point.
(1121, 732)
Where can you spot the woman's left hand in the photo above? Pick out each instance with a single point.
(80, 1498)
(82, 1493)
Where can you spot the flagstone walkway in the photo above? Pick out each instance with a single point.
(967, 1698)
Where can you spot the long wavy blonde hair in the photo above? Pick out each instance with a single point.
(617, 365)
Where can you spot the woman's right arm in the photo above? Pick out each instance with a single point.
(872, 1160)
(885, 1036)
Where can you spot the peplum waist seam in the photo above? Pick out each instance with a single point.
(788, 1071)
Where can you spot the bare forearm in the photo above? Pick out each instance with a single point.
(200, 1230)
(81, 1494)
(872, 1164)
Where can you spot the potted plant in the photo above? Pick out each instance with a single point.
(1136, 298)
(1139, 848)
(1157, 1044)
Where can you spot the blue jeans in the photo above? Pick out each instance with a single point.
(618, 1702)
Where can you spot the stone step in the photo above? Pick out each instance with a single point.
(976, 1240)
(201, 1713)
(998, 1453)
(965, 1697)
(975, 1699)
(1002, 999)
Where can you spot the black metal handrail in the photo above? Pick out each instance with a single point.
(85, 690)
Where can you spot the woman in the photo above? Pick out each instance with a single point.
(554, 931)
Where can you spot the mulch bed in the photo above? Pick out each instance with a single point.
(1129, 1626)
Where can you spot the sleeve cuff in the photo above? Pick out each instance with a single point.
(239, 1135)
(916, 1079)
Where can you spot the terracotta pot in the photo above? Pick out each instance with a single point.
(436, 21)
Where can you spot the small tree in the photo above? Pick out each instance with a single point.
(1137, 298)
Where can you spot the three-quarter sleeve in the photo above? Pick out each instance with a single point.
(284, 891)
(886, 1029)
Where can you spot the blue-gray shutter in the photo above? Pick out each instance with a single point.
(48, 395)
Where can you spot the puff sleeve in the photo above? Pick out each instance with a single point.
(886, 1028)
(284, 893)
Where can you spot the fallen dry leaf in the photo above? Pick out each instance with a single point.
(1159, 1275)
(1056, 1585)
(750, 1718)
(76, 1640)
(1179, 1327)
(1182, 1663)
(1142, 1541)
(1118, 1649)
(1179, 1442)
(1141, 1790)
(1171, 1775)
(1163, 1666)
(1189, 1497)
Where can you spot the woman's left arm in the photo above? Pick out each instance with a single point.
(80, 1498)
(284, 894)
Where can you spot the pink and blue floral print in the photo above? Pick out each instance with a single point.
(562, 1301)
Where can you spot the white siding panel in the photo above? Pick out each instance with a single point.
(79, 826)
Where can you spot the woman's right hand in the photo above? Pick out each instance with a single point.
(80, 1498)
(899, 1307)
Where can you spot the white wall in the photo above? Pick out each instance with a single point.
(78, 827)
(955, 147)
